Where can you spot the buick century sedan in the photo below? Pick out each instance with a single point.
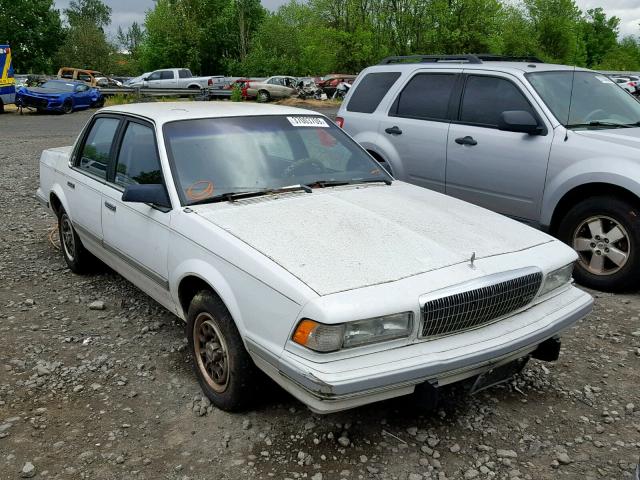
(287, 249)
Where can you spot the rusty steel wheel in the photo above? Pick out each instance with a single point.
(211, 352)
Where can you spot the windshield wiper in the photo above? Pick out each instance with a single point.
(338, 183)
(598, 123)
(239, 195)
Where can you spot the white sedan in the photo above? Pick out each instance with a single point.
(286, 248)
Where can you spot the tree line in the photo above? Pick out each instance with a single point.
(241, 37)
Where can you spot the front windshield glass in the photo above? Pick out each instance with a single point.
(596, 101)
(58, 86)
(212, 157)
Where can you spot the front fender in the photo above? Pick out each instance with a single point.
(208, 274)
(582, 172)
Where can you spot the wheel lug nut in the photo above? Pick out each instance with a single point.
(593, 244)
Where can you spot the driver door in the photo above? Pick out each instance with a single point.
(499, 170)
(137, 233)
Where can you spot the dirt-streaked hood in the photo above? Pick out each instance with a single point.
(344, 238)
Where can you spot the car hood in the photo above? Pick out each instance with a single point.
(629, 137)
(42, 92)
(352, 237)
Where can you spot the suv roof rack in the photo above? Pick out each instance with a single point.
(431, 59)
(465, 58)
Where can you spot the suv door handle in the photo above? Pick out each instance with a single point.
(466, 141)
(71, 185)
(393, 130)
(110, 206)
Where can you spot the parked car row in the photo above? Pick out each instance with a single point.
(630, 83)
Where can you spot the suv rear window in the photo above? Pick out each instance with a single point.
(426, 96)
(370, 91)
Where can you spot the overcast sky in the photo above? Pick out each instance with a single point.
(125, 12)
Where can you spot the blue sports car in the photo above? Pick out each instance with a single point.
(59, 96)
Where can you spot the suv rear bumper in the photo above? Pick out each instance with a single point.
(328, 387)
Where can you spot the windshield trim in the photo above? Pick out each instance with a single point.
(171, 160)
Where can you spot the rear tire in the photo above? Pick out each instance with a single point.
(1, 106)
(605, 231)
(79, 259)
(263, 96)
(224, 369)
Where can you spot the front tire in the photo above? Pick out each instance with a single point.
(605, 232)
(224, 369)
(67, 107)
(79, 259)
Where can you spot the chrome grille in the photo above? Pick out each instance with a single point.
(477, 307)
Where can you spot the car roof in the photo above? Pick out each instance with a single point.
(509, 67)
(67, 80)
(163, 112)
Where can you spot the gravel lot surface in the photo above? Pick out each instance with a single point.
(96, 383)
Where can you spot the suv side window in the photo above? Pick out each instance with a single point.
(96, 151)
(371, 90)
(426, 96)
(138, 160)
(154, 76)
(485, 98)
(166, 75)
(184, 73)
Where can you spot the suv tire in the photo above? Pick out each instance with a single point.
(225, 371)
(605, 231)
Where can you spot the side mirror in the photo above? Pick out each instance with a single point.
(519, 121)
(154, 194)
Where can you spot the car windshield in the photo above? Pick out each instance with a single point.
(214, 157)
(58, 86)
(595, 101)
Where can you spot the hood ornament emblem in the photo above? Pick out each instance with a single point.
(472, 259)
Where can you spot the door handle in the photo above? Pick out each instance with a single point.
(110, 206)
(466, 141)
(393, 130)
(71, 185)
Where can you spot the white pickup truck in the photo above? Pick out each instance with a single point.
(171, 78)
(285, 247)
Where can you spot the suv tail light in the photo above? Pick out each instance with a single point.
(210, 82)
(340, 121)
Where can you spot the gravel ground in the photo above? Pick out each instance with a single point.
(96, 383)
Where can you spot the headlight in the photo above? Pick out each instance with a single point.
(328, 338)
(556, 279)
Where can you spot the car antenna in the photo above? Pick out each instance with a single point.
(573, 79)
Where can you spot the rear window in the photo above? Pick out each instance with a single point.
(426, 96)
(371, 90)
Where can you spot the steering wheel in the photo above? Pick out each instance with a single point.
(315, 166)
(592, 114)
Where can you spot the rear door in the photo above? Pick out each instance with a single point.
(85, 181)
(417, 125)
(502, 171)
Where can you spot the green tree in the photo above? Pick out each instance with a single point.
(624, 56)
(34, 30)
(86, 45)
(600, 35)
(95, 12)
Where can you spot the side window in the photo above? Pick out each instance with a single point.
(166, 75)
(426, 96)
(485, 98)
(154, 76)
(184, 73)
(94, 156)
(371, 90)
(82, 88)
(138, 160)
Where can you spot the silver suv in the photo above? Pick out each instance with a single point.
(554, 146)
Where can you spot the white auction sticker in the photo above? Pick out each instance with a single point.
(308, 122)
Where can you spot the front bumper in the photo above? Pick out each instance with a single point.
(358, 380)
(41, 198)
